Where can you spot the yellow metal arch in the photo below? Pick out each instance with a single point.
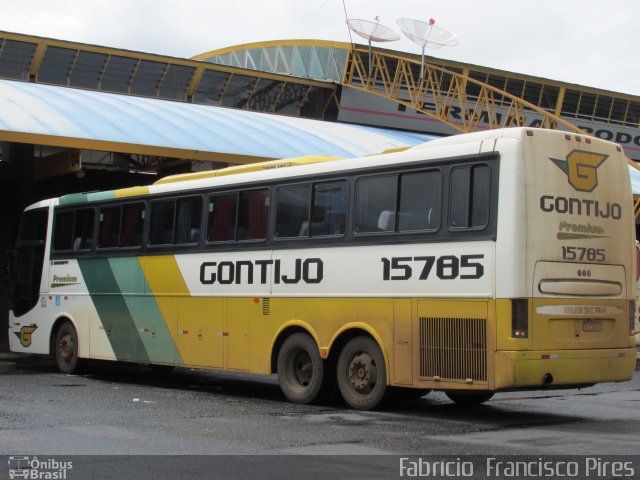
(397, 78)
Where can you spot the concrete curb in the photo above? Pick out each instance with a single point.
(6, 367)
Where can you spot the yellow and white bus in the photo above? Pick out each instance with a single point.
(472, 264)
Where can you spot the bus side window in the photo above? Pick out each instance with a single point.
(33, 226)
(83, 229)
(292, 210)
(222, 217)
(469, 198)
(188, 220)
(121, 226)
(420, 201)
(376, 204)
(409, 202)
(109, 229)
(329, 209)
(63, 231)
(238, 216)
(161, 224)
(74, 230)
(312, 210)
(132, 225)
(253, 215)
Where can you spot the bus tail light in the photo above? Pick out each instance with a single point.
(520, 318)
(632, 317)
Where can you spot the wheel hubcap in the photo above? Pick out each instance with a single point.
(66, 348)
(363, 373)
(302, 368)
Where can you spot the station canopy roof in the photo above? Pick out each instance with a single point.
(60, 116)
(74, 118)
(635, 180)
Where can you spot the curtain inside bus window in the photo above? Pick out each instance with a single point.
(132, 225)
(254, 215)
(161, 225)
(222, 217)
(109, 229)
(189, 215)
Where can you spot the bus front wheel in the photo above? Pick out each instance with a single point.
(66, 349)
(300, 369)
(362, 374)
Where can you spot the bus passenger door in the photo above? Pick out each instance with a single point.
(25, 276)
(26, 262)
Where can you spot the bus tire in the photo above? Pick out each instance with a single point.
(469, 398)
(362, 373)
(66, 349)
(300, 369)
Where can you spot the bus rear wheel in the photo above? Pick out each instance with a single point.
(469, 398)
(362, 374)
(300, 369)
(66, 349)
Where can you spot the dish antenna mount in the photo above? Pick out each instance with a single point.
(372, 32)
(426, 34)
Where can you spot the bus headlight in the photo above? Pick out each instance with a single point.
(520, 318)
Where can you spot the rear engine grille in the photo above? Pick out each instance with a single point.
(453, 348)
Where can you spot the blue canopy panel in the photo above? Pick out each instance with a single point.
(634, 173)
(53, 115)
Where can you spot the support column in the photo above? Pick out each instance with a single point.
(16, 192)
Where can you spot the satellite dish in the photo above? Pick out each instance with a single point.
(427, 34)
(372, 32)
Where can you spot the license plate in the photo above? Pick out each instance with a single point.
(591, 325)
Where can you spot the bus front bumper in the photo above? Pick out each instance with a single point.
(560, 368)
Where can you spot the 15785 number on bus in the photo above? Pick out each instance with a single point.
(447, 267)
(583, 254)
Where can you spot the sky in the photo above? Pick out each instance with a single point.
(587, 42)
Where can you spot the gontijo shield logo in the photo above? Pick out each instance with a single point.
(581, 169)
(25, 334)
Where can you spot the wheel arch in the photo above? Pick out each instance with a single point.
(58, 322)
(285, 331)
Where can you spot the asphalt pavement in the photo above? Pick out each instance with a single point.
(128, 421)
